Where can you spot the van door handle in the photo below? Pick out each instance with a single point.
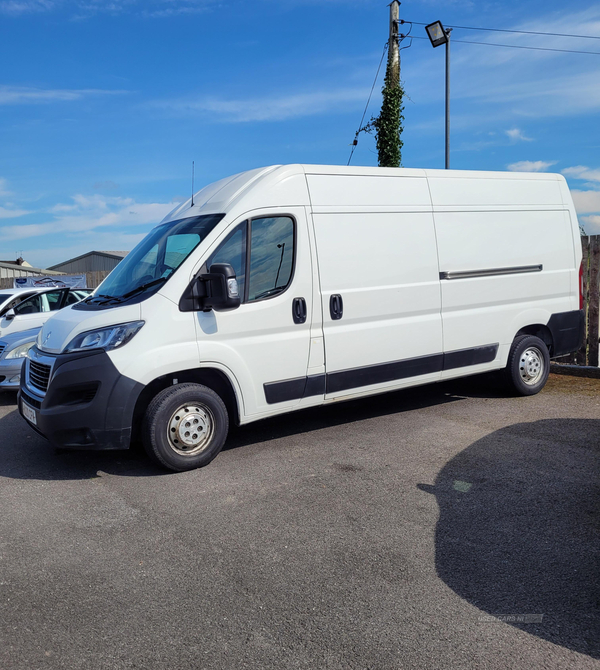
(336, 306)
(299, 310)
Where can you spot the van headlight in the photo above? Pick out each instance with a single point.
(20, 352)
(109, 338)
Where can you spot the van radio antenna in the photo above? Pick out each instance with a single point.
(192, 183)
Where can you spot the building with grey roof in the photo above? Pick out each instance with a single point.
(93, 261)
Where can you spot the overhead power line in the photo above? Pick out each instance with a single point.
(355, 142)
(516, 46)
(519, 32)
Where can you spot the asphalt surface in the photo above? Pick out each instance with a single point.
(382, 533)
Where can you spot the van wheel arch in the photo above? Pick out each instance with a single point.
(214, 379)
(541, 331)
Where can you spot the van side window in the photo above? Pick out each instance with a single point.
(233, 251)
(271, 256)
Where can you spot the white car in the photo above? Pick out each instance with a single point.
(19, 313)
(11, 297)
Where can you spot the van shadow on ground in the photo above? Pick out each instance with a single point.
(518, 528)
(26, 455)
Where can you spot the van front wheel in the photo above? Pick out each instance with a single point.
(185, 427)
(528, 365)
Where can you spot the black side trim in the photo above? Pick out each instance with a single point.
(383, 372)
(294, 389)
(465, 357)
(304, 387)
(315, 385)
(492, 272)
(568, 331)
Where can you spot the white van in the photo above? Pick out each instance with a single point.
(293, 286)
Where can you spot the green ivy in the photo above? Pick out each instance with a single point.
(387, 127)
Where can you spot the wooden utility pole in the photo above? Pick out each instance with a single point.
(394, 53)
(387, 127)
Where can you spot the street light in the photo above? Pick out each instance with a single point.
(439, 35)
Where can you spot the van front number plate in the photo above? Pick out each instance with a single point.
(29, 413)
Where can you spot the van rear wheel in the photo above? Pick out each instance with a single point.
(528, 365)
(185, 427)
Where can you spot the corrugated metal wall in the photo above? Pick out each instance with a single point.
(10, 271)
(92, 263)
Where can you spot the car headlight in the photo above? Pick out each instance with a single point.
(109, 338)
(20, 351)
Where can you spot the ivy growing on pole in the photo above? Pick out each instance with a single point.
(387, 127)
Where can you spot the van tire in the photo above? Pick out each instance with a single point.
(528, 365)
(185, 427)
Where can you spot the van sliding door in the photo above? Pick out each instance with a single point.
(379, 282)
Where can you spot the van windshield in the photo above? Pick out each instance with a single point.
(155, 259)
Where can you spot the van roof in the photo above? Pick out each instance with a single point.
(218, 196)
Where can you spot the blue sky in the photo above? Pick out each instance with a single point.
(105, 103)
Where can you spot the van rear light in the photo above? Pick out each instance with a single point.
(581, 297)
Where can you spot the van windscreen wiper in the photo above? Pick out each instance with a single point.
(138, 289)
(96, 297)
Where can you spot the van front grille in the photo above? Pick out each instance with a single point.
(39, 375)
(2, 347)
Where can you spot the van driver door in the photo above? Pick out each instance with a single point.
(265, 342)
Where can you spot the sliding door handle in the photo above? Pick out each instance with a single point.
(336, 306)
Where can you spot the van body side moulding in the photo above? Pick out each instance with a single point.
(304, 387)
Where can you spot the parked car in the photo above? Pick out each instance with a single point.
(11, 297)
(294, 286)
(13, 351)
(35, 309)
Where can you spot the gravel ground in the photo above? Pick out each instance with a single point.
(382, 533)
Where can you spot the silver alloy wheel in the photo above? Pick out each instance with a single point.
(191, 429)
(531, 366)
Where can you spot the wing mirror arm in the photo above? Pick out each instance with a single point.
(217, 289)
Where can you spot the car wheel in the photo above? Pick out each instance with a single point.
(528, 365)
(185, 427)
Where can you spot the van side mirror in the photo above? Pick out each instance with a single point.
(10, 315)
(216, 290)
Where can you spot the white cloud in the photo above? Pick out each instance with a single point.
(4, 188)
(586, 202)
(591, 224)
(265, 108)
(16, 95)
(517, 135)
(16, 7)
(86, 8)
(582, 172)
(530, 166)
(8, 213)
(89, 213)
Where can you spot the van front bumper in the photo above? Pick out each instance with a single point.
(88, 404)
